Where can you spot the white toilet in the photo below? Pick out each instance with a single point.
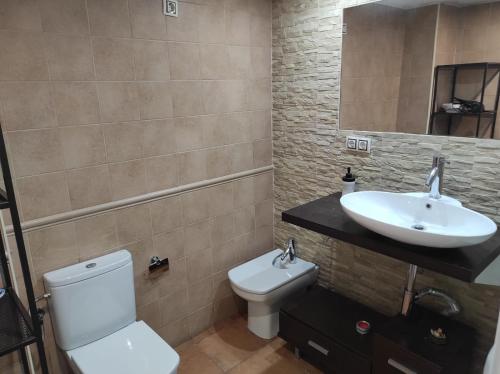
(265, 287)
(92, 307)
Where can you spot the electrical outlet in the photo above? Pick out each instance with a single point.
(171, 8)
(358, 143)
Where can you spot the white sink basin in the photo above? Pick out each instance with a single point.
(418, 219)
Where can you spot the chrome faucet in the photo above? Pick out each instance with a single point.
(290, 251)
(434, 181)
(454, 307)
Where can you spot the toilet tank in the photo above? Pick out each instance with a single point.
(91, 299)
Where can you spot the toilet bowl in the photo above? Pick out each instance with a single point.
(266, 287)
(92, 308)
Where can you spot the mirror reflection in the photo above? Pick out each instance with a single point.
(421, 67)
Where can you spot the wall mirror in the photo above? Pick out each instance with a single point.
(422, 67)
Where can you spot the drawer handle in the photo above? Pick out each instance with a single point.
(400, 367)
(317, 347)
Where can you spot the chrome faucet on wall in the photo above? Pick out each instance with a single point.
(434, 180)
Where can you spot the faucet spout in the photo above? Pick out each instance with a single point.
(290, 250)
(434, 181)
(453, 305)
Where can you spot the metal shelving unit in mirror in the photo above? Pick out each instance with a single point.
(478, 82)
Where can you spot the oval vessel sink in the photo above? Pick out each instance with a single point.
(417, 219)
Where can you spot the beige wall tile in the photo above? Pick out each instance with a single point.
(26, 105)
(238, 127)
(113, 59)
(175, 332)
(169, 244)
(200, 294)
(54, 247)
(185, 27)
(124, 141)
(260, 62)
(259, 94)
(192, 166)
(264, 213)
(226, 256)
(237, 23)
(147, 19)
(159, 137)
(35, 151)
(214, 60)
(189, 133)
(133, 224)
(264, 240)
(162, 172)
(64, 16)
(218, 162)
(151, 60)
(118, 102)
(89, 186)
(262, 152)
(166, 214)
(150, 314)
(222, 230)
(174, 306)
(75, 103)
(109, 18)
(19, 15)
(244, 220)
(240, 63)
(43, 195)
(187, 98)
(195, 206)
(219, 201)
(96, 235)
(69, 57)
(216, 130)
(224, 96)
(263, 187)
(127, 179)
(241, 157)
(24, 59)
(184, 61)
(212, 30)
(243, 194)
(155, 100)
(260, 123)
(83, 145)
(199, 265)
(197, 237)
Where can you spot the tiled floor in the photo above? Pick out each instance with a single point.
(230, 348)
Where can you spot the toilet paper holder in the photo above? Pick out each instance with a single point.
(156, 264)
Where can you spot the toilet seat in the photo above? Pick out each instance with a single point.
(258, 276)
(133, 349)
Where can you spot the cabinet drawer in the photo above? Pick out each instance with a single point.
(321, 350)
(390, 358)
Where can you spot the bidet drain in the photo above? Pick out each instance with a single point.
(418, 227)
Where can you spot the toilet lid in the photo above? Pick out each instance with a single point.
(131, 350)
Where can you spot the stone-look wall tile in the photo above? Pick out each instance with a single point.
(113, 59)
(151, 60)
(127, 179)
(109, 18)
(26, 105)
(185, 28)
(64, 16)
(147, 19)
(82, 145)
(35, 152)
(118, 102)
(89, 186)
(24, 59)
(75, 103)
(19, 15)
(162, 172)
(69, 57)
(43, 195)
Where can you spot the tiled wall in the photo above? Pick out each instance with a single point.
(105, 100)
(310, 157)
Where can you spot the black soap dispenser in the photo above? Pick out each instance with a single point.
(348, 182)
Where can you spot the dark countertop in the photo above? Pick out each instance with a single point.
(326, 216)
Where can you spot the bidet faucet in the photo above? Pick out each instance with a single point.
(290, 251)
(454, 307)
(434, 181)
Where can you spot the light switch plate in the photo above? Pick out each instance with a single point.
(358, 144)
(171, 8)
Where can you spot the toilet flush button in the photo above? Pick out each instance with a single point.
(91, 265)
(363, 327)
